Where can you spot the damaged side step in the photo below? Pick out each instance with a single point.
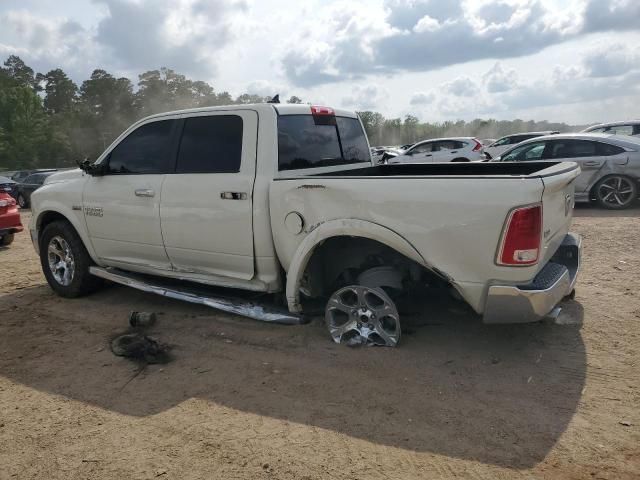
(237, 306)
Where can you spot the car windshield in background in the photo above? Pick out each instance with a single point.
(302, 143)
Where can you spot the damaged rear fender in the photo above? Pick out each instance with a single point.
(341, 228)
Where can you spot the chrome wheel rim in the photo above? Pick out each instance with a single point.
(21, 201)
(616, 191)
(61, 261)
(362, 315)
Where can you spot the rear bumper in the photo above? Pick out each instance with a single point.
(10, 223)
(534, 301)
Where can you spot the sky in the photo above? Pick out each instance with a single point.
(574, 61)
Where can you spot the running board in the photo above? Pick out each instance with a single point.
(236, 306)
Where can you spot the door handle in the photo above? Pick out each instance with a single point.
(233, 196)
(453, 151)
(145, 192)
(591, 164)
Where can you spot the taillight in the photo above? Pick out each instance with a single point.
(7, 203)
(478, 145)
(520, 243)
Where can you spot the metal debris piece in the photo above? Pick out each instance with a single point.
(359, 311)
(142, 319)
(140, 347)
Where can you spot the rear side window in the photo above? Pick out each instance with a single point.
(302, 143)
(572, 149)
(211, 145)
(31, 179)
(606, 149)
(145, 150)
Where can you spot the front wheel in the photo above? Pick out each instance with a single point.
(616, 192)
(65, 261)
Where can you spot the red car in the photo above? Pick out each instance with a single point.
(9, 219)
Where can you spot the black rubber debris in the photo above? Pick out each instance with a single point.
(140, 347)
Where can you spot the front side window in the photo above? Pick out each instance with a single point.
(145, 150)
(523, 153)
(304, 142)
(572, 149)
(501, 142)
(31, 179)
(422, 148)
(211, 144)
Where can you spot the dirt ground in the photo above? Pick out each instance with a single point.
(242, 399)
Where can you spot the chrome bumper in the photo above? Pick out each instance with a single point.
(534, 301)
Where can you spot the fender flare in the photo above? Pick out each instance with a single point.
(340, 228)
(73, 219)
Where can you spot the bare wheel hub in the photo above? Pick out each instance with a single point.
(361, 313)
(61, 261)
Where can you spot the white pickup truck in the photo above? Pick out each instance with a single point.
(281, 198)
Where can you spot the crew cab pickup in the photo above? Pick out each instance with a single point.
(281, 198)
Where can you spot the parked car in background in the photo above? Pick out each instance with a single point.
(459, 149)
(610, 164)
(10, 223)
(631, 128)
(29, 185)
(503, 144)
(487, 141)
(7, 186)
(20, 175)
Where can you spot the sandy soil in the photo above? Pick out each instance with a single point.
(247, 400)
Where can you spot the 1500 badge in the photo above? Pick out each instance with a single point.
(93, 211)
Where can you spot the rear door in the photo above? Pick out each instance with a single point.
(444, 151)
(584, 152)
(206, 207)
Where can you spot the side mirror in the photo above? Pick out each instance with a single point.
(91, 168)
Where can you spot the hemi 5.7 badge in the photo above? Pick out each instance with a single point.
(93, 211)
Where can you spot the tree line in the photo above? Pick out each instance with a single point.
(47, 120)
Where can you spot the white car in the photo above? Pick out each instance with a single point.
(458, 149)
(503, 144)
(284, 199)
(631, 128)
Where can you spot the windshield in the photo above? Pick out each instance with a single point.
(304, 142)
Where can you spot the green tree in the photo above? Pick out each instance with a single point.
(294, 99)
(20, 72)
(60, 91)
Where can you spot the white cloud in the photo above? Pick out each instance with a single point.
(365, 97)
(422, 98)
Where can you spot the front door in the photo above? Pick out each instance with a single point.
(206, 209)
(122, 208)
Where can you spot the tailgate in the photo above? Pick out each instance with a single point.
(558, 202)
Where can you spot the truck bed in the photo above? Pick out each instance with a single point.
(475, 169)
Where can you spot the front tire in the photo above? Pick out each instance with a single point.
(616, 192)
(6, 239)
(65, 261)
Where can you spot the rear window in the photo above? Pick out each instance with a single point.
(302, 143)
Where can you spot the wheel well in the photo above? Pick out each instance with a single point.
(460, 159)
(339, 260)
(49, 217)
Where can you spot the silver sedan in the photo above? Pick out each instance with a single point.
(610, 164)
